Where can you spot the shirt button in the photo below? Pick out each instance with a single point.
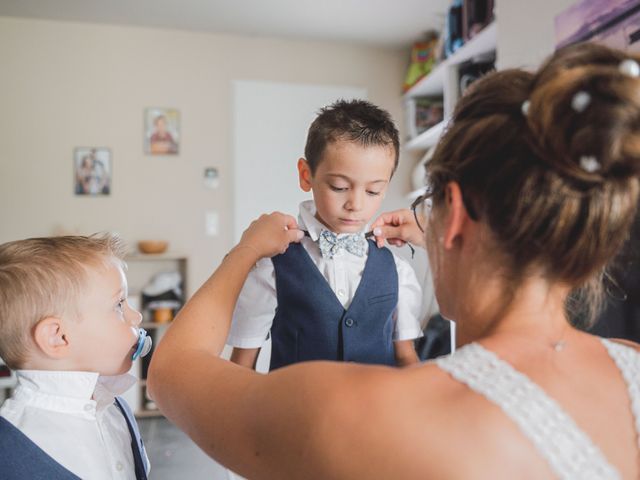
(88, 407)
(119, 466)
(349, 322)
(341, 293)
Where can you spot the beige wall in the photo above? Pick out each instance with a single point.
(526, 30)
(64, 85)
(67, 84)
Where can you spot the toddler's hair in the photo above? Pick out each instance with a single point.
(355, 121)
(43, 277)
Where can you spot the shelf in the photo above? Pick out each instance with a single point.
(426, 139)
(153, 325)
(433, 84)
(152, 257)
(484, 42)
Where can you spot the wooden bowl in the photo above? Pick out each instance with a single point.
(153, 246)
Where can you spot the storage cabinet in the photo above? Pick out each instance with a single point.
(156, 315)
(443, 81)
(7, 381)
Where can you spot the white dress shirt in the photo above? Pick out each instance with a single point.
(73, 418)
(257, 303)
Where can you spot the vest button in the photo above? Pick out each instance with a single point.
(349, 322)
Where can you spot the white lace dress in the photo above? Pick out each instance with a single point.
(568, 450)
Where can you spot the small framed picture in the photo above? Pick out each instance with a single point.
(162, 131)
(92, 171)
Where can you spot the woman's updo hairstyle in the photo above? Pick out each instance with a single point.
(550, 160)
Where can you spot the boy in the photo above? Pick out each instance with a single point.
(67, 330)
(335, 296)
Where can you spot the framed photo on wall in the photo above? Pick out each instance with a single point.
(162, 131)
(614, 23)
(92, 171)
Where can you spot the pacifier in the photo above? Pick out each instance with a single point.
(144, 344)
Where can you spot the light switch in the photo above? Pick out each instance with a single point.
(211, 224)
(211, 178)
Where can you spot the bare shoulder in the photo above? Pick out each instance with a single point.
(419, 413)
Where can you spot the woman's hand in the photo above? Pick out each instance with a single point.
(270, 235)
(398, 227)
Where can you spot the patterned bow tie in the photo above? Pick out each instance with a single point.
(331, 243)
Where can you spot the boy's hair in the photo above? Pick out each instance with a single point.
(42, 277)
(355, 121)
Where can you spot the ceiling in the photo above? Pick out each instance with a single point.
(383, 23)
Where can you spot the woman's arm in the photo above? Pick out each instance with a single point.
(313, 420)
(302, 421)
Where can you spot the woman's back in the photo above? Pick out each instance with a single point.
(467, 435)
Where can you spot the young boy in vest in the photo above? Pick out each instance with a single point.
(336, 295)
(67, 330)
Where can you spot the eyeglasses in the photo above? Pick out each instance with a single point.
(421, 208)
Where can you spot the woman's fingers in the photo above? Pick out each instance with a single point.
(271, 234)
(397, 228)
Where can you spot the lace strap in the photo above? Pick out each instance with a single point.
(569, 451)
(628, 361)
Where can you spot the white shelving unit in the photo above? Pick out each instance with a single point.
(443, 81)
(426, 139)
(141, 268)
(7, 382)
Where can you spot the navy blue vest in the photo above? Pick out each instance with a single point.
(21, 459)
(310, 322)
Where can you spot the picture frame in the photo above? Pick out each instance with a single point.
(92, 171)
(614, 23)
(161, 131)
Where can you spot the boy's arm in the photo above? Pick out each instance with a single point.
(253, 314)
(405, 353)
(407, 315)
(246, 357)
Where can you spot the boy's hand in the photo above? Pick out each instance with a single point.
(270, 235)
(397, 227)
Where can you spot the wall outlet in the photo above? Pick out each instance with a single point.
(211, 224)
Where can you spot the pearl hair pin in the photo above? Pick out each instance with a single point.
(589, 164)
(525, 107)
(629, 67)
(580, 101)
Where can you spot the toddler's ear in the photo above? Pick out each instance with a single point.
(304, 175)
(49, 335)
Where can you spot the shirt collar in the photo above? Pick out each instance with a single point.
(307, 220)
(73, 387)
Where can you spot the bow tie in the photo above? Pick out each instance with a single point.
(331, 243)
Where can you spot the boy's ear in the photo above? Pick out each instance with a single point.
(304, 175)
(49, 335)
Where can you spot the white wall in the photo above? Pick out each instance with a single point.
(270, 129)
(525, 31)
(68, 84)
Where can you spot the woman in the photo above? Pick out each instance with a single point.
(534, 187)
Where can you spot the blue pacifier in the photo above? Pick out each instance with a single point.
(144, 344)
